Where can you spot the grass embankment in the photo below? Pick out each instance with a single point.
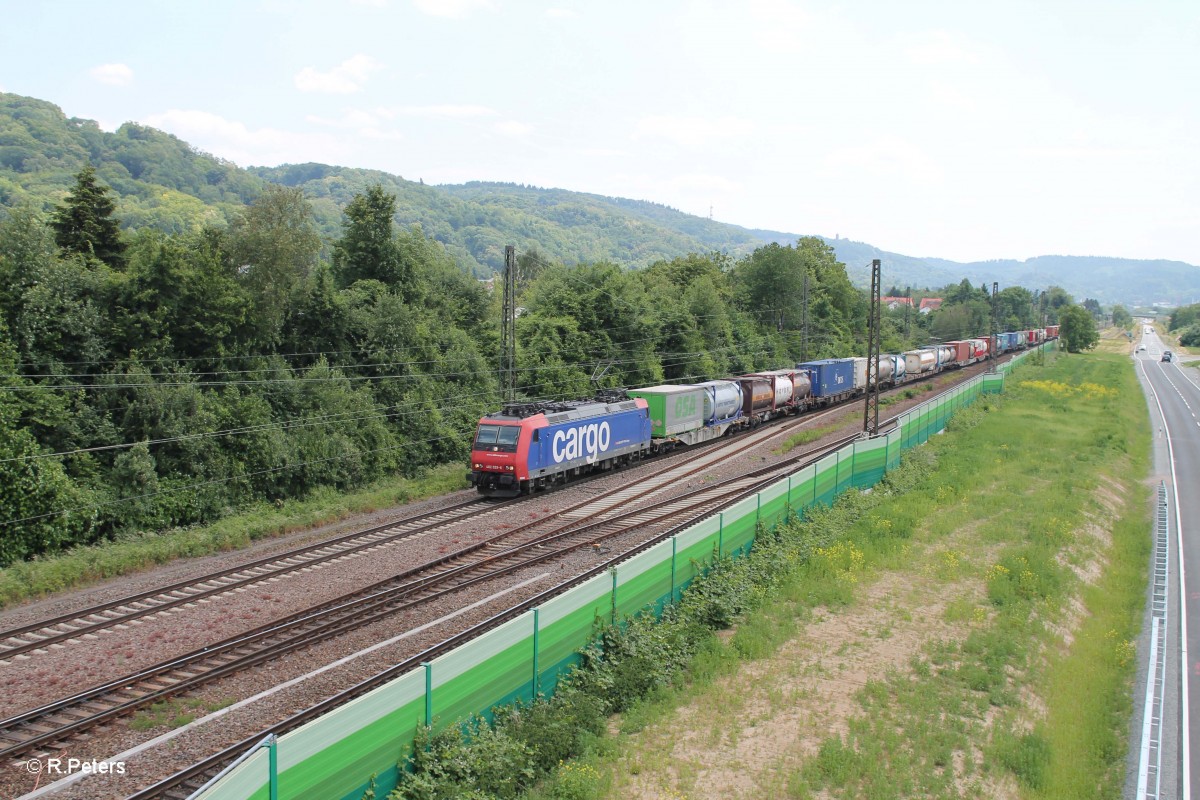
(86, 565)
(1115, 340)
(971, 638)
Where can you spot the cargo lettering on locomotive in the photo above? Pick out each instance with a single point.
(580, 441)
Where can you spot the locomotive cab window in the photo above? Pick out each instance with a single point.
(497, 437)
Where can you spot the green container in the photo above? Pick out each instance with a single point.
(673, 409)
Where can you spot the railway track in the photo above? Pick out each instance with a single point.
(71, 627)
(55, 725)
(683, 511)
(583, 524)
(66, 628)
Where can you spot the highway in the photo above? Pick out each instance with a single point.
(1165, 768)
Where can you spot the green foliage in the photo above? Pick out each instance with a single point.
(1190, 336)
(274, 248)
(164, 385)
(32, 494)
(769, 284)
(368, 249)
(1027, 756)
(84, 223)
(1121, 317)
(486, 762)
(1184, 317)
(1078, 331)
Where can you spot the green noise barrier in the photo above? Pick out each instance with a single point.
(337, 755)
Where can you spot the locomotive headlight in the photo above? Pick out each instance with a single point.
(508, 467)
(479, 466)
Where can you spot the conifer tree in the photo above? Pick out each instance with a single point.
(368, 249)
(85, 224)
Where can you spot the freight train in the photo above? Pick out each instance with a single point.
(529, 446)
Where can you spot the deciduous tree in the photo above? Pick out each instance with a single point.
(1078, 331)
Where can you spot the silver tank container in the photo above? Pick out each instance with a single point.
(722, 400)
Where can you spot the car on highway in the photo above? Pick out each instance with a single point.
(1141, 348)
(1166, 356)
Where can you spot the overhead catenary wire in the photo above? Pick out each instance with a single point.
(298, 368)
(271, 470)
(290, 379)
(418, 406)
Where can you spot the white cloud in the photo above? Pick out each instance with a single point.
(953, 98)
(346, 78)
(513, 128)
(886, 156)
(452, 9)
(693, 132)
(603, 152)
(779, 24)
(366, 124)
(370, 3)
(560, 13)
(438, 111)
(113, 74)
(352, 118)
(941, 47)
(381, 135)
(232, 140)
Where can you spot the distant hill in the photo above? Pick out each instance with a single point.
(164, 182)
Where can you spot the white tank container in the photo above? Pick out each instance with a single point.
(722, 400)
(919, 361)
(886, 368)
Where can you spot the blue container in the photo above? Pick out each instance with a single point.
(830, 376)
(586, 435)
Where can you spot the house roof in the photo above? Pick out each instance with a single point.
(931, 303)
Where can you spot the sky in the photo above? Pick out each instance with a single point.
(952, 129)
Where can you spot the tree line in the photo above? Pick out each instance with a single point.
(156, 379)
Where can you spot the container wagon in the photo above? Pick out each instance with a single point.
(832, 379)
(782, 390)
(801, 387)
(919, 362)
(676, 413)
(758, 398)
(964, 353)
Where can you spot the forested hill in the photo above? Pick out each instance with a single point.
(163, 182)
(476, 220)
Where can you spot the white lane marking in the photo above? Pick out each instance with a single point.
(65, 782)
(1183, 657)
(1185, 374)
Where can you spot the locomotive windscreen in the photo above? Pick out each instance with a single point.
(497, 438)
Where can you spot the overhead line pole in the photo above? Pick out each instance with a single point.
(874, 336)
(508, 327)
(992, 323)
